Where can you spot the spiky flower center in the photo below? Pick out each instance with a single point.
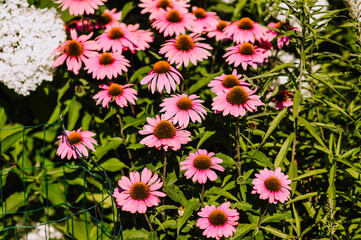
(115, 33)
(237, 96)
(245, 23)
(230, 81)
(74, 48)
(164, 129)
(164, 4)
(184, 43)
(139, 191)
(273, 184)
(202, 162)
(217, 218)
(106, 18)
(184, 103)
(282, 96)
(74, 138)
(106, 58)
(246, 49)
(282, 25)
(174, 16)
(222, 25)
(115, 90)
(199, 13)
(161, 67)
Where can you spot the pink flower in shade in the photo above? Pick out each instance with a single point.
(200, 165)
(75, 144)
(154, 7)
(109, 17)
(163, 75)
(281, 25)
(78, 7)
(139, 191)
(117, 37)
(173, 21)
(120, 93)
(217, 31)
(185, 48)
(183, 108)
(245, 30)
(162, 133)
(144, 37)
(236, 101)
(106, 65)
(273, 185)
(246, 54)
(281, 99)
(75, 51)
(218, 222)
(204, 20)
(77, 24)
(223, 82)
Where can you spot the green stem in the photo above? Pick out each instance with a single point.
(150, 225)
(125, 140)
(202, 195)
(164, 166)
(238, 148)
(263, 214)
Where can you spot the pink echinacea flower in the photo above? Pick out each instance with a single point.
(245, 30)
(273, 185)
(282, 99)
(109, 17)
(106, 65)
(182, 108)
(224, 82)
(154, 7)
(204, 20)
(217, 31)
(185, 48)
(236, 101)
(139, 191)
(78, 7)
(218, 222)
(163, 134)
(281, 25)
(75, 51)
(200, 165)
(163, 75)
(78, 143)
(121, 94)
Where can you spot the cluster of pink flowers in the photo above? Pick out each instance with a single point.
(103, 58)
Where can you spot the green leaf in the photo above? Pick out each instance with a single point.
(261, 157)
(175, 194)
(227, 160)
(292, 173)
(281, 66)
(298, 220)
(283, 151)
(296, 102)
(111, 112)
(274, 124)
(192, 205)
(310, 173)
(222, 192)
(139, 73)
(303, 197)
(113, 165)
(205, 136)
(275, 231)
(276, 217)
(73, 114)
(243, 229)
(110, 145)
(13, 202)
(331, 191)
(126, 9)
(10, 140)
(202, 82)
(312, 131)
(2, 117)
(53, 191)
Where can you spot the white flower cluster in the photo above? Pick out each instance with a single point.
(43, 232)
(28, 37)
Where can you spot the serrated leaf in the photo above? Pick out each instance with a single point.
(283, 151)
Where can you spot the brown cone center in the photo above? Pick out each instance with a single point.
(282, 25)
(74, 138)
(221, 25)
(237, 96)
(199, 13)
(246, 49)
(164, 4)
(202, 162)
(164, 129)
(115, 33)
(217, 218)
(106, 58)
(115, 90)
(230, 81)
(139, 191)
(106, 18)
(282, 96)
(273, 184)
(245, 23)
(161, 67)
(174, 16)
(184, 43)
(184, 103)
(74, 48)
